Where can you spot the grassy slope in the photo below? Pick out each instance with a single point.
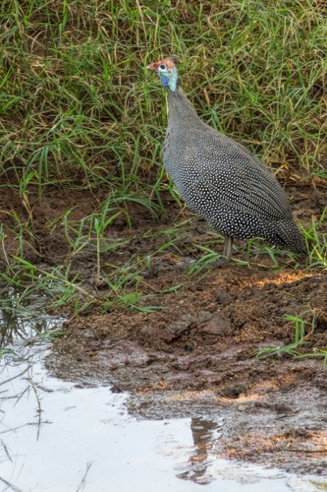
(78, 108)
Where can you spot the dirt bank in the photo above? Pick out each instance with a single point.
(191, 350)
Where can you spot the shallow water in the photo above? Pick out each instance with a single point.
(82, 436)
(57, 435)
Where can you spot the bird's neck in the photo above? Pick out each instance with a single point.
(179, 105)
(170, 82)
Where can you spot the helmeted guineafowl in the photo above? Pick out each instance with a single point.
(219, 178)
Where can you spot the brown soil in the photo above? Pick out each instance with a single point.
(194, 354)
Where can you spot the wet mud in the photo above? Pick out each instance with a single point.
(197, 358)
(190, 346)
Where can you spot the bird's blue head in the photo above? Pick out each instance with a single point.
(167, 71)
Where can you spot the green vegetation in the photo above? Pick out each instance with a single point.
(299, 338)
(78, 108)
(303, 330)
(79, 112)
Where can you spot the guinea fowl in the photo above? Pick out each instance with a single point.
(220, 178)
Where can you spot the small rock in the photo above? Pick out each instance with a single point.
(242, 408)
(151, 333)
(204, 316)
(218, 325)
(87, 333)
(223, 298)
(190, 346)
(181, 325)
(182, 364)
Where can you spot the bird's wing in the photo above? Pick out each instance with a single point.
(233, 177)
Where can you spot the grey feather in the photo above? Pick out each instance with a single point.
(224, 182)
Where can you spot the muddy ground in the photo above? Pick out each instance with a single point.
(194, 353)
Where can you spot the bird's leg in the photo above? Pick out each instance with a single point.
(227, 252)
(228, 244)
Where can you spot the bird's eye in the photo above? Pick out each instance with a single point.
(163, 66)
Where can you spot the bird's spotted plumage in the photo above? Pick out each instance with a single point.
(220, 178)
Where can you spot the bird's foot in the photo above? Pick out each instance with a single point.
(227, 253)
(223, 260)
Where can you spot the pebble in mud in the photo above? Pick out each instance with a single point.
(223, 298)
(181, 325)
(209, 323)
(243, 408)
(151, 332)
(218, 325)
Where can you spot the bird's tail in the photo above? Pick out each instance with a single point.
(289, 235)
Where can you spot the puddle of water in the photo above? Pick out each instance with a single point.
(56, 435)
(24, 315)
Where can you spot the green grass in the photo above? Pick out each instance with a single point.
(78, 109)
(318, 250)
(79, 112)
(302, 329)
(299, 338)
(318, 353)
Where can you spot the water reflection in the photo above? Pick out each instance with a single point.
(23, 315)
(57, 435)
(205, 433)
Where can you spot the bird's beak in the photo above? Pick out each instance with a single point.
(151, 66)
